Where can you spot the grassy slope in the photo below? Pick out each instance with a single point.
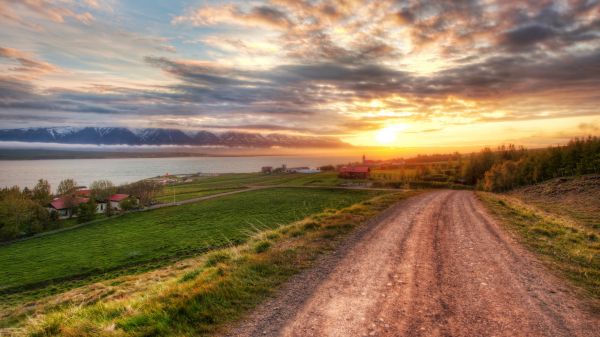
(214, 290)
(160, 234)
(575, 197)
(565, 245)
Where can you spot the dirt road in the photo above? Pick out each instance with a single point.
(435, 265)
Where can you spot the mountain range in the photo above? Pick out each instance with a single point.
(127, 136)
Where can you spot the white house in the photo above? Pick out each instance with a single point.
(115, 199)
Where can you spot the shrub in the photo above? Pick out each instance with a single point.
(262, 246)
(128, 204)
(311, 226)
(190, 276)
(216, 258)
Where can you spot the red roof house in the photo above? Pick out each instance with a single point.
(115, 200)
(118, 197)
(64, 205)
(354, 172)
(66, 202)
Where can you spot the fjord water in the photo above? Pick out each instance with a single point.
(122, 170)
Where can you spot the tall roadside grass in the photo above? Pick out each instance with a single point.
(565, 245)
(220, 287)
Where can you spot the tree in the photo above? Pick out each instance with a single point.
(20, 215)
(66, 186)
(144, 190)
(41, 219)
(108, 211)
(41, 192)
(87, 211)
(27, 193)
(12, 214)
(102, 189)
(54, 217)
(516, 167)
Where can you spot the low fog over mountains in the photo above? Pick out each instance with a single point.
(125, 136)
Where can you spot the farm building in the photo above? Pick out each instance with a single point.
(354, 172)
(64, 205)
(266, 169)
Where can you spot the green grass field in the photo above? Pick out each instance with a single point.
(160, 234)
(205, 186)
(237, 180)
(167, 194)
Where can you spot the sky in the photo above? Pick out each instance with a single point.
(392, 73)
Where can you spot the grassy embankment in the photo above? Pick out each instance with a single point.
(217, 288)
(575, 197)
(566, 245)
(137, 242)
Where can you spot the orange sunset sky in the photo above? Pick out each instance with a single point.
(417, 74)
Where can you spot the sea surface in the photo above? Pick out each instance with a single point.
(123, 170)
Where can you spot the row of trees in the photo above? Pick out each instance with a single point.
(473, 170)
(510, 167)
(25, 212)
(504, 168)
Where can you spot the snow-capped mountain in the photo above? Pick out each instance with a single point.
(125, 136)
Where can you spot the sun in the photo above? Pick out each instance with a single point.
(386, 136)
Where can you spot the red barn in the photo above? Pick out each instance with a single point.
(354, 172)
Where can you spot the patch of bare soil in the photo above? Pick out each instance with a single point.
(434, 265)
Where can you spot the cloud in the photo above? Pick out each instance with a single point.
(49, 10)
(26, 63)
(322, 66)
(526, 36)
(260, 16)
